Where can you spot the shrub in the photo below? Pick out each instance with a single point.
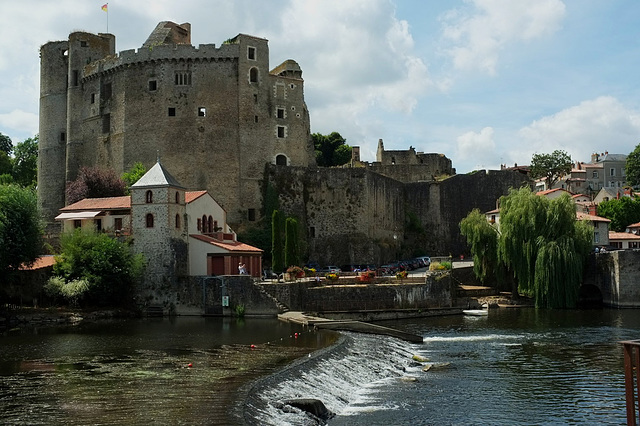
(401, 274)
(440, 266)
(332, 276)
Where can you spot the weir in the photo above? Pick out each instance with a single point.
(347, 325)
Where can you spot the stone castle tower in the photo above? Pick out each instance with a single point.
(215, 114)
(159, 223)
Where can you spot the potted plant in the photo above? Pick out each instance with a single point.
(332, 276)
(295, 272)
(366, 276)
(401, 275)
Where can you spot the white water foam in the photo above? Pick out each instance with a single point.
(345, 380)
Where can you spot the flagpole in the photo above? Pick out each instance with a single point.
(105, 8)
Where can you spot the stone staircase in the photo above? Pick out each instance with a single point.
(281, 306)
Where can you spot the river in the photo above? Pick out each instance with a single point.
(514, 366)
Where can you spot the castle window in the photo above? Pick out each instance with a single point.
(251, 53)
(74, 76)
(199, 224)
(312, 231)
(93, 98)
(63, 136)
(177, 221)
(153, 85)
(106, 123)
(612, 172)
(281, 133)
(172, 112)
(251, 215)
(595, 175)
(83, 43)
(280, 112)
(253, 75)
(149, 197)
(292, 86)
(293, 107)
(255, 97)
(202, 112)
(183, 78)
(106, 91)
(255, 118)
(210, 224)
(281, 160)
(149, 220)
(177, 197)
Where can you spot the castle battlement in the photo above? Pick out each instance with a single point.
(163, 53)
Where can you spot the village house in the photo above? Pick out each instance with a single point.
(180, 232)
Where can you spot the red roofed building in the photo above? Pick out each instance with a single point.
(179, 232)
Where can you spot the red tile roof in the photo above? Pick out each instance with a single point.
(190, 196)
(591, 217)
(549, 191)
(107, 203)
(227, 245)
(41, 262)
(623, 236)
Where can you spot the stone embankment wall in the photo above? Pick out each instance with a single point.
(437, 291)
(617, 277)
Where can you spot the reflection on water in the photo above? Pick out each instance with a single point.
(183, 370)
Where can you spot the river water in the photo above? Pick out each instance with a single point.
(515, 366)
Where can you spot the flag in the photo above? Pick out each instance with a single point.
(105, 6)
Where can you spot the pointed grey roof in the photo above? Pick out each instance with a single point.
(157, 176)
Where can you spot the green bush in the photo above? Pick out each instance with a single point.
(107, 266)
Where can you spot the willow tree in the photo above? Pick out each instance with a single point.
(544, 245)
(482, 238)
(277, 263)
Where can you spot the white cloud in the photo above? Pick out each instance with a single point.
(356, 57)
(597, 125)
(477, 148)
(19, 125)
(476, 37)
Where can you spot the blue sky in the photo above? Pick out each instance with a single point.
(485, 82)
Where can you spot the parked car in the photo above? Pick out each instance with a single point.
(425, 260)
(329, 269)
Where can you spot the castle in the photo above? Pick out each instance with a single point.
(224, 123)
(215, 114)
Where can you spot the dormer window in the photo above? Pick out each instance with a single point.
(149, 197)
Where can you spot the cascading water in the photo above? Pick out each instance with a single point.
(341, 377)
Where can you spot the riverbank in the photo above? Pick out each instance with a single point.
(40, 317)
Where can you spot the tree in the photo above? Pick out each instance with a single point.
(622, 212)
(95, 269)
(331, 150)
(20, 228)
(544, 245)
(6, 165)
(132, 176)
(551, 167)
(291, 252)
(94, 182)
(6, 145)
(25, 162)
(277, 262)
(632, 167)
(482, 238)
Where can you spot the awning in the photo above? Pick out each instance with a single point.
(78, 215)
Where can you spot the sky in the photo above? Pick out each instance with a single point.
(484, 82)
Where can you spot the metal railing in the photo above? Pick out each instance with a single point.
(631, 380)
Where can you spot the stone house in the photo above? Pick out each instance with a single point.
(180, 232)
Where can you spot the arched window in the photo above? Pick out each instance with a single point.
(177, 221)
(149, 197)
(149, 220)
(281, 160)
(215, 226)
(253, 75)
(177, 198)
(204, 224)
(210, 223)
